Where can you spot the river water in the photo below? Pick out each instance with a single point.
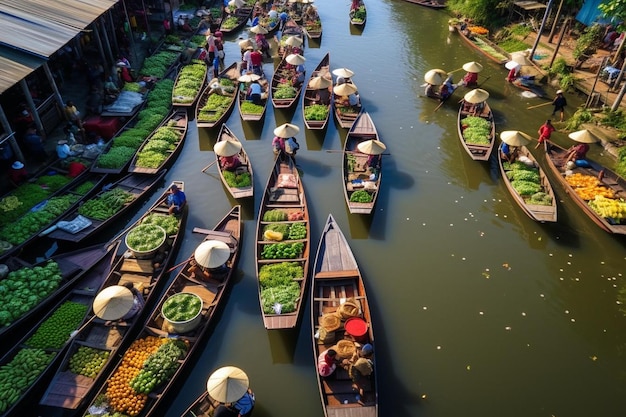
(478, 310)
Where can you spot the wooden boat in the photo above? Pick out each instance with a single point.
(25, 230)
(71, 391)
(203, 406)
(285, 201)
(137, 185)
(537, 212)
(313, 28)
(83, 293)
(478, 152)
(433, 4)
(216, 116)
(258, 116)
(527, 83)
(73, 266)
(337, 280)
(310, 95)
(234, 22)
(187, 76)
(346, 115)
(610, 184)
(356, 173)
(291, 28)
(173, 130)
(485, 47)
(358, 15)
(282, 72)
(245, 167)
(189, 335)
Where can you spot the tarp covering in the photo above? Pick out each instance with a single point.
(39, 28)
(589, 13)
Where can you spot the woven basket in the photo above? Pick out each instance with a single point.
(330, 321)
(350, 308)
(345, 349)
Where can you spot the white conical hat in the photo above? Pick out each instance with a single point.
(227, 384)
(227, 148)
(286, 130)
(472, 67)
(295, 59)
(584, 136)
(258, 29)
(345, 89)
(515, 138)
(343, 72)
(477, 95)
(372, 147)
(212, 253)
(113, 302)
(293, 41)
(318, 83)
(435, 76)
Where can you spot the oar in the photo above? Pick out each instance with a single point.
(340, 151)
(176, 266)
(209, 166)
(458, 69)
(538, 105)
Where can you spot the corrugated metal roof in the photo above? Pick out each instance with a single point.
(39, 28)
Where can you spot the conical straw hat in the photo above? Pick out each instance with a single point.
(435, 76)
(212, 253)
(515, 138)
(520, 58)
(258, 29)
(286, 130)
(246, 78)
(584, 136)
(227, 148)
(227, 384)
(344, 89)
(295, 59)
(371, 147)
(113, 302)
(293, 41)
(477, 95)
(511, 64)
(245, 43)
(343, 72)
(472, 67)
(319, 83)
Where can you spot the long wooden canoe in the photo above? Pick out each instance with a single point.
(354, 20)
(25, 230)
(283, 72)
(478, 152)
(187, 76)
(537, 212)
(259, 114)
(73, 266)
(236, 20)
(154, 154)
(528, 84)
(433, 4)
(290, 28)
(485, 47)
(245, 167)
(283, 206)
(313, 28)
(203, 406)
(357, 176)
(346, 115)
(191, 338)
(137, 185)
(69, 390)
(337, 280)
(81, 296)
(611, 183)
(216, 116)
(310, 95)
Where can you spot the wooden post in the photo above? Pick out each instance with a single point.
(558, 44)
(593, 87)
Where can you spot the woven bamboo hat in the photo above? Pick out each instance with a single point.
(295, 59)
(435, 76)
(293, 41)
(258, 29)
(472, 67)
(227, 384)
(344, 89)
(227, 148)
(372, 147)
(113, 302)
(246, 78)
(244, 44)
(286, 130)
(318, 83)
(477, 95)
(521, 58)
(343, 72)
(212, 253)
(515, 138)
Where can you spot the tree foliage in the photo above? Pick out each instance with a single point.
(483, 12)
(615, 9)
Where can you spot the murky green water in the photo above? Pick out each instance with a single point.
(476, 307)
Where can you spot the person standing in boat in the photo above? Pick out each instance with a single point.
(544, 132)
(559, 104)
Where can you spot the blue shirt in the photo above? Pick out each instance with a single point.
(255, 88)
(177, 199)
(245, 404)
(505, 149)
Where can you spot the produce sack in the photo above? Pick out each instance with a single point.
(330, 322)
(325, 337)
(350, 308)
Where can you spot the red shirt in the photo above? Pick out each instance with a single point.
(257, 58)
(471, 78)
(75, 168)
(545, 131)
(18, 176)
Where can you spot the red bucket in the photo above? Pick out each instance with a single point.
(357, 328)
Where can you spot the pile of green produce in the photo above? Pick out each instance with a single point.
(32, 222)
(526, 182)
(167, 222)
(84, 188)
(540, 198)
(235, 180)
(106, 204)
(360, 14)
(23, 289)
(88, 361)
(279, 285)
(55, 331)
(145, 237)
(158, 64)
(229, 23)
(282, 250)
(248, 107)
(182, 307)
(159, 367)
(17, 375)
(361, 196)
(275, 215)
(189, 82)
(316, 112)
(476, 130)
(285, 90)
(158, 147)
(297, 231)
(214, 108)
(286, 231)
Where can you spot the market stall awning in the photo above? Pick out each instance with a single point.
(15, 66)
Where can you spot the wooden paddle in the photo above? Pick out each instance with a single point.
(538, 105)
(340, 151)
(208, 166)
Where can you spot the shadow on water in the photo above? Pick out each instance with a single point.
(312, 167)
(314, 43)
(393, 178)
(360, 225)
(315, 138)
(253, 130)
(285, 115)
(357, 30)
(207, 138)
(283, 344)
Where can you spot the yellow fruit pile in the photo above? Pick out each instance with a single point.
(607, 207)
(120, 396)
(478, 30)
(588, 186)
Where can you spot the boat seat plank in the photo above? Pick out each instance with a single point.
(290, 195)
(342, 386)
(137, 265)
(337, 274)
(104, 337)
(203, 292)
